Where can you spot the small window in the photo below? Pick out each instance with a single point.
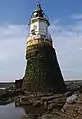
(33, 32)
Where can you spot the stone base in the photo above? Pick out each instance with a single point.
(42, 71)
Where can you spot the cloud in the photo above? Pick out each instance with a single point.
(12, 51)
(76, 16)
(67, 41)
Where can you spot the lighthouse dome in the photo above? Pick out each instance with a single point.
(38, 13)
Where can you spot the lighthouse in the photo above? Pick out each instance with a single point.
(42, 72)
(38, 28)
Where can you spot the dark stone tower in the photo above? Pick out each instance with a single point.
(42, 71)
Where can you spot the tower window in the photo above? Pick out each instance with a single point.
(33, 32)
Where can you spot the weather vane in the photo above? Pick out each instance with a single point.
(39, 1)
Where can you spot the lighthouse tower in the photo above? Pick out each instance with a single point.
(38, 28)
(42, 71)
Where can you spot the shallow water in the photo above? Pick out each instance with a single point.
(11, 112)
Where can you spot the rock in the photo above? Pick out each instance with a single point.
(68, 94)
(5, 101)
(24, 100)
(52, 116)
(55, 96)
(43, 94)
(72, 99)
(62, 110)
(73, 86)
(72, 102)
(30, 116)
(73, 110)
(47, 116)
(45, 104)
(51, 106)
(25, 117)
(37, 104)
(2, 91)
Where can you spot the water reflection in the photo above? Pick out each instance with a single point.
(11, 112)
(32, 111)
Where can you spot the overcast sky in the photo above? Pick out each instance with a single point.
(66, 30)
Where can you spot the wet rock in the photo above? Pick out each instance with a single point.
(30, 116)
(68, 94)
(73, 86)
(72, 99)
(5, 101)
(37, 104)
(25, 100)
(73, 110)
(48, 98)
(52, 116)
(2, 91)
(51, 106)
(47, 116)
(44, 94)
(45, 104)
(25, 117)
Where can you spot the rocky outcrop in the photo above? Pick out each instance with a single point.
(48, 102)
(74, 86)
(73, 108)
(7, 95)
(46, 105)
(5, 101)
(57, 108)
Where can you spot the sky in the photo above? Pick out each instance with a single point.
(66, 30)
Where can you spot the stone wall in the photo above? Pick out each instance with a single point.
(42, 70)
(18, 84)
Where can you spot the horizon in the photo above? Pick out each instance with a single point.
(66, 31)
(64, 80)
